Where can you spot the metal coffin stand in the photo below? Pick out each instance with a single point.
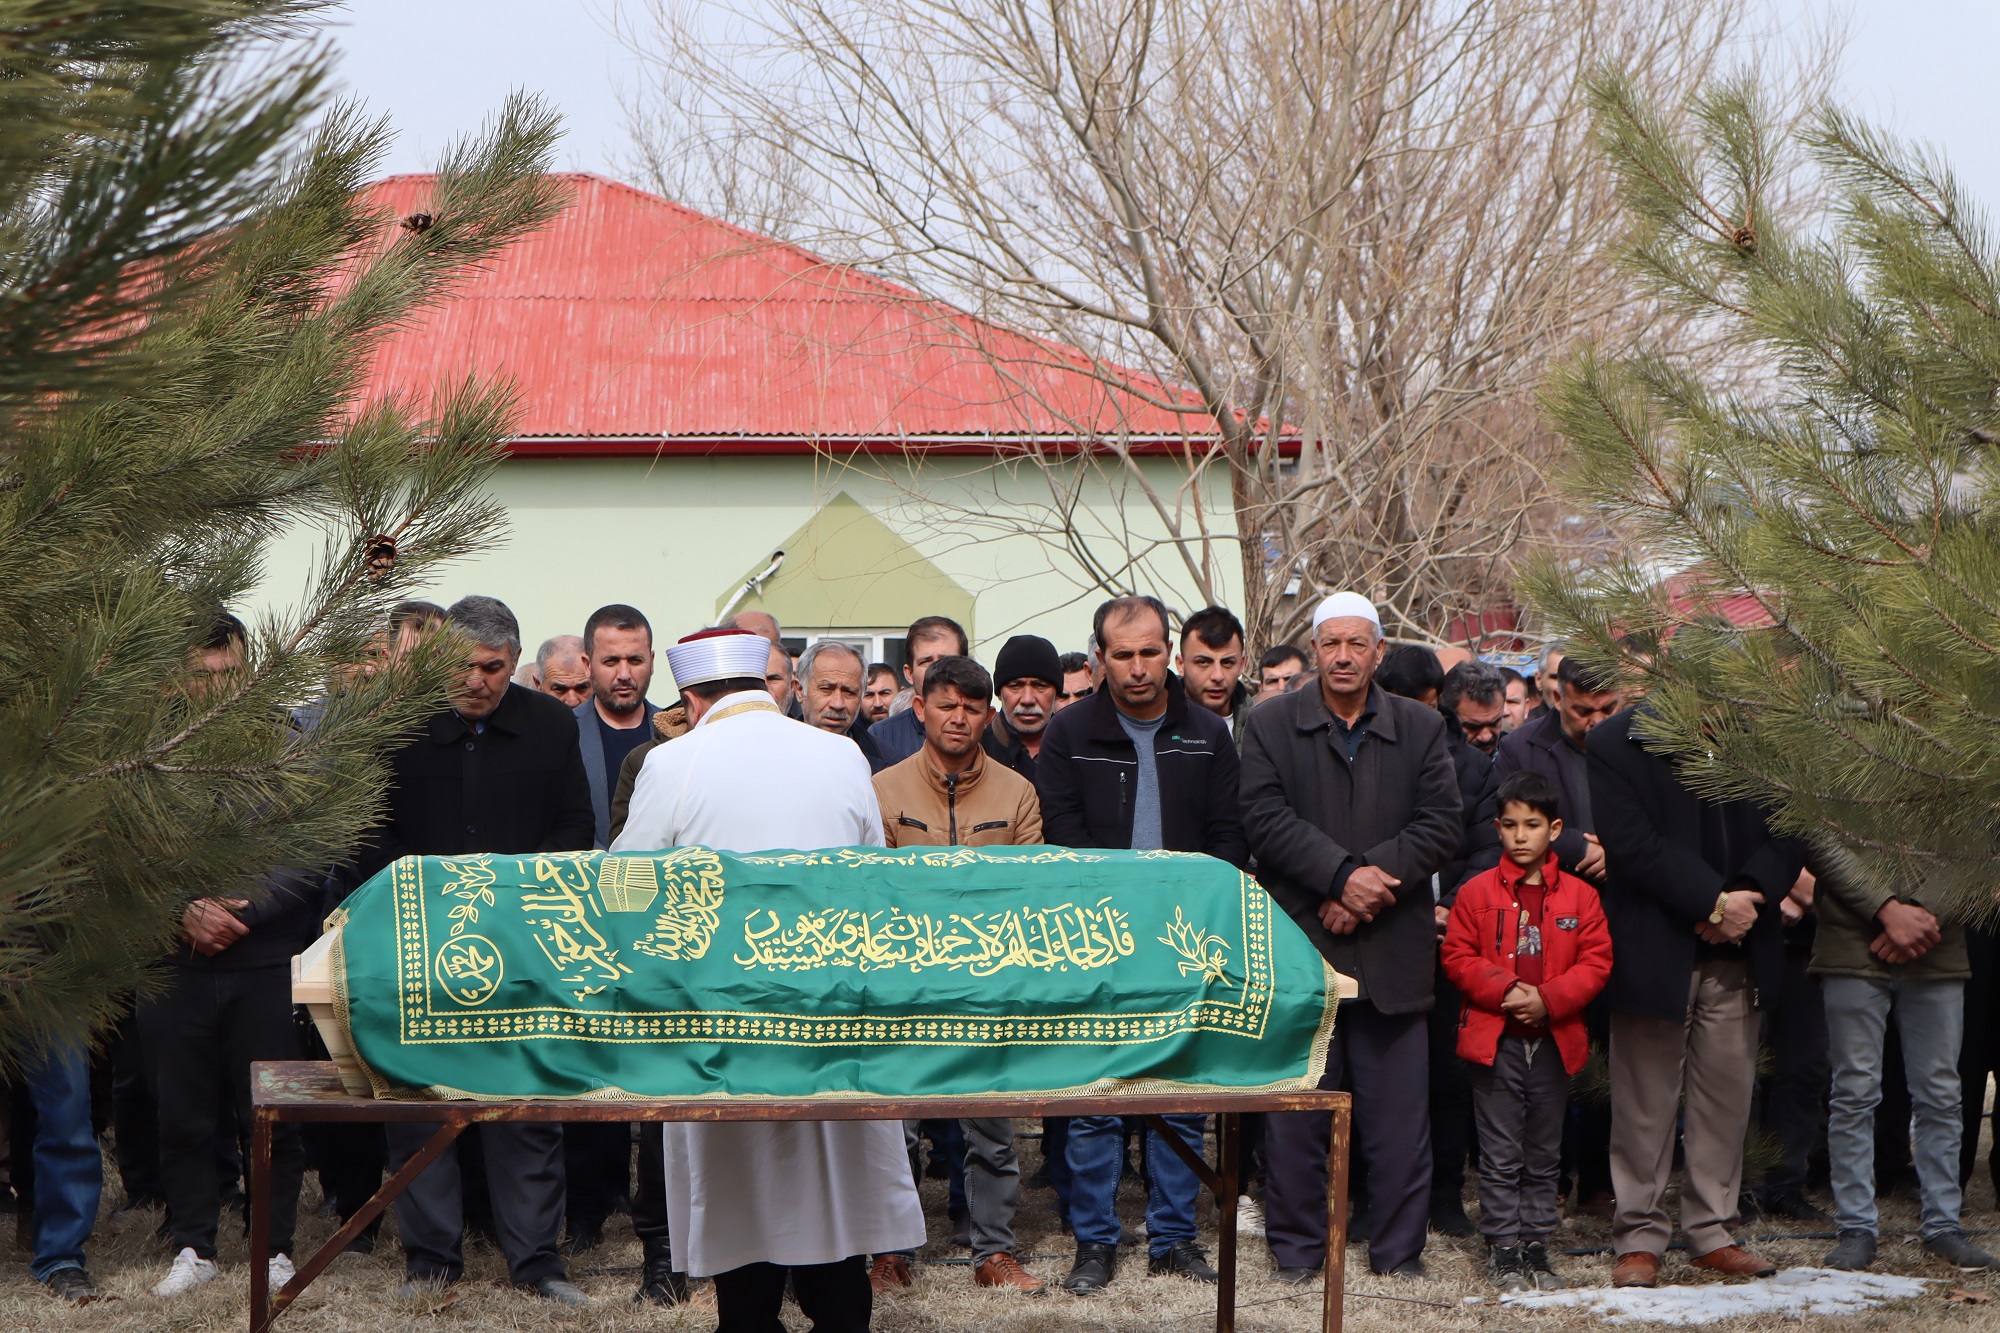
(302, 1091)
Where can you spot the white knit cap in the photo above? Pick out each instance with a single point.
(1346, 604)
(718, 654)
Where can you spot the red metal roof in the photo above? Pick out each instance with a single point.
(631, 323)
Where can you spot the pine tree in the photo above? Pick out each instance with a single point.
(191, 286)
(1844, 486)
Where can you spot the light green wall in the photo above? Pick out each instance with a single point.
(673, 535)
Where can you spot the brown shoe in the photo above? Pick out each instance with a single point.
(1636, 1269)
(1734, 1261)
(890, 1273)
(1002, 1270)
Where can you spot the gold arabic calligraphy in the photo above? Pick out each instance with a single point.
(559, 915)
(1052, 939)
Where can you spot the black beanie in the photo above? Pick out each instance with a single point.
(1028, 655)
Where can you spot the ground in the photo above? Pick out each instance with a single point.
(358, 1292)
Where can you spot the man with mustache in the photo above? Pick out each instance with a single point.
(1029, 674)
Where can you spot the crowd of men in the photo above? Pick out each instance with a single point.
(1510, 873)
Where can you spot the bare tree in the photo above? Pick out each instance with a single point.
(1337, 241)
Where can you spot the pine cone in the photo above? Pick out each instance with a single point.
(379, 555)
(418, 223)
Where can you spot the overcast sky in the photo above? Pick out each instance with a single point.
(437, 67)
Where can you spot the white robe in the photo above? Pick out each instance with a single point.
(790, 1192)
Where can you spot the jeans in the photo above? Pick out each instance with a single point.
(1930, 1017)
(1096, 1153)
(69, 1171)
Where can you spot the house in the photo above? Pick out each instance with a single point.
(713, 421)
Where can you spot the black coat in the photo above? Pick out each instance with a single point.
(1665, 870)
(1001, 743)
(517, 787)
(1088, 774)
(1478, 780)
(1313, 817)
(1531, 747)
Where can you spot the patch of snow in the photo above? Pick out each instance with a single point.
(1795, 1291)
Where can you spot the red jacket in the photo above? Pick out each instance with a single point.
(1478, 956)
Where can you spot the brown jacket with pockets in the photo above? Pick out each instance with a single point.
(988, 805)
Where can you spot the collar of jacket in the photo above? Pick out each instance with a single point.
(1104, 712)
(1314, 715)
(448, 726)
(1511, 875)
(1546, 732)
(587, 712)
(1000, 740)
(966, 780)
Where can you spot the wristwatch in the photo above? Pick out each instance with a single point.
(1721, 908)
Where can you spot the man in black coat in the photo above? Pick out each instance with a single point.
(1135, 765)
(1552, 744)
(1693, 901)
(1350, 801)
(499, 771)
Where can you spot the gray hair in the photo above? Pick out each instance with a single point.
(1550, 649)
(486, 621)
(562, 645)
(819, 648)
(1478, 681)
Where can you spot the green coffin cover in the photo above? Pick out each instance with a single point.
(851, 971)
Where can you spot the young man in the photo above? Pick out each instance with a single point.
(1211, 664)
(1528, 948)
(1553, 745)
(1518, 701)
(1137, 766)
(900, 735)
(1078, 680)
(881, 691)
(952, 793)
(1277, 668)
(1029, 674)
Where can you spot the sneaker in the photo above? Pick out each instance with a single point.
(1249, 1216)
(1960, 1253)
(1853, 1252)
(190, 1270)
(281, 1271)
(1535, 1262)
(1003, 1270)
(71, 1284)
(1507, 1270)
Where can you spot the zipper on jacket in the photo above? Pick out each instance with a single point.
(951, 804)
(1121, 805)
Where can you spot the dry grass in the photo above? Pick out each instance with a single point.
(358, 1292)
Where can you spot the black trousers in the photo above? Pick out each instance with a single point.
(649, 1194)
(524, 1172)
(1384, 1060)
(1791, 1103)
(1450, 1097)
(597, 1158)
(200, 1036)
(836, 1297)
(1980, 1055)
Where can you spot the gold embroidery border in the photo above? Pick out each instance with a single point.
(1248, 1017)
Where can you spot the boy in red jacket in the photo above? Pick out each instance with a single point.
(1528, 948)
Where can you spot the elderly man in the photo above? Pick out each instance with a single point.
(929, 638)
(499, 770)
(761, 623)
(1029, 674)
(751, 1201)
(1351, 803)
(829, 694)
(1211, 664)
(1137, 766)
(1693, 898)
(562, 668)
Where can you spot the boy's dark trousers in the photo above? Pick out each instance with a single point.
(1518, 1106)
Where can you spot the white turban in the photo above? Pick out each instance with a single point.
(718, 654)
(1346, 604)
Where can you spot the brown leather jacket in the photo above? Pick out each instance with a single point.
(988, 805)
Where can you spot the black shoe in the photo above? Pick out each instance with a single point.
(1294, 1277)
(560, 1290)
(1186, 1259)
(362, 1244)
(1535, 1262)
(1359, 1227)
(1794, 1207)
(583, 1236)
(139, 1203)
(71, 1284)
(1409, 1268)
(1508, 1271)
(1448, 1219)
(1853, 1252)
(1095, 1266)
(961, 1232)
(1960, 1253)
(659, 1284)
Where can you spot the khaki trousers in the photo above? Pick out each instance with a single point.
(1710, 1059)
